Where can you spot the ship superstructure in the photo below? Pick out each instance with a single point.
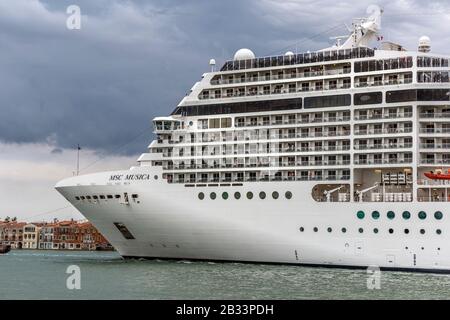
(318, 158)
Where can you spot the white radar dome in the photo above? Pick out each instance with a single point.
(424, 44)
(289, 54)
(244, 54)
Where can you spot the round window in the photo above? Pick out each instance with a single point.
(391, 231)
(406, 231)
(275, 195)
(249, 195)
(391, 215)
(225, 195)
(438, 215)
(329, 229)
(422, 231)
(288, 195)
(375, 230)
(360, 230)
(315, 229)
(438, 231)
(344, 230)
(422, 215)
(406, 215)
(375, 215)
(360, 214)
(262, 195)
(201, 196)
(212, 195)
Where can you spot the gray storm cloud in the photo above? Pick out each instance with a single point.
(133, 60)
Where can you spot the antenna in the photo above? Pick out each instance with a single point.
(78, 159)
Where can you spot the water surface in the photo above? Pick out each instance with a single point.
(105, 275)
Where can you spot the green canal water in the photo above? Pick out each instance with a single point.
(104, 275)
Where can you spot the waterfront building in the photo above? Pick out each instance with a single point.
(31, 234)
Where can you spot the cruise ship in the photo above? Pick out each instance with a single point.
(336, 157)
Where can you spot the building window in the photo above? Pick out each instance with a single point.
(375, 215)
(212, 195)
(262, 195)
(406, 215)
(360, 214)
(249, 195)
(288, 195)
(391, 215)
(201, 196)
(368, 98)
(275, 195)
(225, 195)
(422, 215)
(438, 215)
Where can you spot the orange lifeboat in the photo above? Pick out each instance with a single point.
(438, 175)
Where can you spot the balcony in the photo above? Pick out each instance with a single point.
(445, 115)
(362, 132)
(383, 146)
(287, 76)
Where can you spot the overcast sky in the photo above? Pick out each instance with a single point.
(132, 60)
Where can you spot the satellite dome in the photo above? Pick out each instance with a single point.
(244, 54)
(289, 54)
(424, 44)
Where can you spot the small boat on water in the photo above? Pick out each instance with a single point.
(4, 248)
(438, 175)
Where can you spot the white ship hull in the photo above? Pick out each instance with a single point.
(169, 221)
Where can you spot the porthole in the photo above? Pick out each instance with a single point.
(78, 198)
(438, 215)
(82, 198)
(422, 215)
(406, 231)
(201, 196)
(249, 195)
(275, 195)
(288, 195)
(391, 215)
(438, 231)
(155, 177)
(391, 231)
(422, 231)
(344, 230)
(360, 214)
(315, 229)
(262, 195)
(329, 229)
(225, 195)
(88, 197)
(375, 215)
(302, 229)
(375, 230)
(212, 195)
(406, 215)
(360, 230)
(95, 197)
(237, 195)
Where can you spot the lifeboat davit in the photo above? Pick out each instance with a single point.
(438, 175)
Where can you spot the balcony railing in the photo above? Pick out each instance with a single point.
(382, 83)
(383, 146)
(381, 161)
(434, 115)
(435, 145)
(286, 76)
(435, 161)
(382, 131)
(434, 130)
(384, 116)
